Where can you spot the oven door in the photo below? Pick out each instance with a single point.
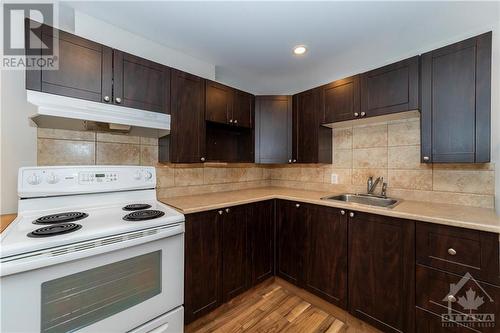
(110, 292)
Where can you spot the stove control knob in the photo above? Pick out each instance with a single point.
(148, 175)
(137, 175)
(34, 179)
(52, 178)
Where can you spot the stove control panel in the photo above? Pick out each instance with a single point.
(61, 180)
(97, 177)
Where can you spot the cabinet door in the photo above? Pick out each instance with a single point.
(85, 68)
(382, 271)
(273, 130)
(140, 83)
(306, 109)
(456, 102)
(188, 121)
(291, 228)
(243, 109)
(235, 277)
(326, 254)
(390, 89)
(203, 255)
(261, 241)
(340, 100)
(218, 102)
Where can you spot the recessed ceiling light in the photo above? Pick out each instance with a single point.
(299, 50)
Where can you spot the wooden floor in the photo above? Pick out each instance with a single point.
(268, 308)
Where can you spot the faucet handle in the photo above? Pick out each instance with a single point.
(384, 189)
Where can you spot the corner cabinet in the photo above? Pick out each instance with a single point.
(273, 129)
(456, 102)
(382, 271)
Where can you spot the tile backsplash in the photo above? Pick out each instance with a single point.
(390, 149)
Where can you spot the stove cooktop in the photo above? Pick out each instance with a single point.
(94, 221)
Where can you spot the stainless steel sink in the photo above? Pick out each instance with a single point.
(365, 199)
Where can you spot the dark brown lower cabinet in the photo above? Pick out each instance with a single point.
(261, 241)
(442, 295)
(290, 241)
(326, 253)
(382, 271)
(203, 258)
(235, 277)
(226, 251)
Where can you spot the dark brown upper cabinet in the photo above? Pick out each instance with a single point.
(227, 105)
(243, 109)
(456, 102)
(273, 129)
(140, 83)
(186, 143)
(85, 68)
(218, 102)
(340, 100)
(390, 89)
(311, 142)
(382, 271)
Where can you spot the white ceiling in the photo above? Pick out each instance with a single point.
(251, 42)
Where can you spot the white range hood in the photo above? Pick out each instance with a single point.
(54, 111)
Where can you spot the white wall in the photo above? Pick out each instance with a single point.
(18, 136)
(104, 33)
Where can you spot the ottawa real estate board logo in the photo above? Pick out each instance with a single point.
(467, 304)
(29, 41)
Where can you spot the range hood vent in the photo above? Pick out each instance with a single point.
(54, 111)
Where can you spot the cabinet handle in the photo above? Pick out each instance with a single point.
(106, 98)
(451, 251)
(236, 121)
(451, 298)
(351, 214)
(202, 159)
(342, 212)
(363, 114)
(230, 121)
(220, 212)
(118, 100)
(426, 158)
(289, 161)
(297, 205)
(356, 114)
(227, 210)
(294, 161)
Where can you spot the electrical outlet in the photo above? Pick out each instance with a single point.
(334, 178)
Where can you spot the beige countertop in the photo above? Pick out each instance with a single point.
(5, 220)
(453, 215)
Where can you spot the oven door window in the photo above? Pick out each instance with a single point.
(78, 300)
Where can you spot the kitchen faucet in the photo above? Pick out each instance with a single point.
(372, 185)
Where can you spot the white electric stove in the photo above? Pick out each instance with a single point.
(92, 250)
